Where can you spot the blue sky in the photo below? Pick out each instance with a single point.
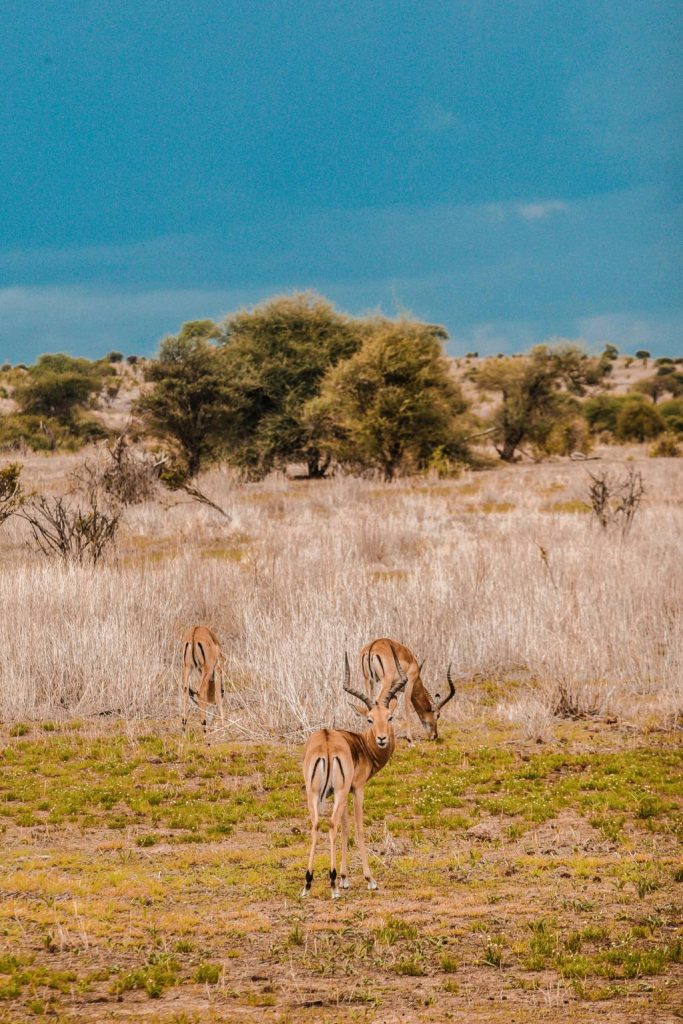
(509, 169)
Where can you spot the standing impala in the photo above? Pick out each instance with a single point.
(202, 653)
(336, 763)
(377, 663)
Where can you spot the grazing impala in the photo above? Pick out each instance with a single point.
(376, 662)
(336, 763)
(202, 653)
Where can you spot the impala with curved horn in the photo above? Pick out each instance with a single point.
(377, 663)
(337, 762)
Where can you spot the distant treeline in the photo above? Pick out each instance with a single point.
(296, 381)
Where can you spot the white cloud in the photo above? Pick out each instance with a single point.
(541, 210)
(50, 259)
(89, 320)
(435, 119)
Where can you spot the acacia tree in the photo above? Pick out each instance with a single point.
(187, 406)
(537, 392)
(393, 405)
(274, 357)
(57, 385)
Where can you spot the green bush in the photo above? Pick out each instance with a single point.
(672, 414)
(188, 406)
(666, 446)
(638, 421)
(601, 413)
(58, 385)
(275, 357)
(537, 391)
(43, 433)
(393, 406)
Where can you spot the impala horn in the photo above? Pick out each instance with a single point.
(449, 695)
(402, 679)
(347, 681)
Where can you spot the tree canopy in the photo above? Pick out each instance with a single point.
(57, 385)
(394, 404)
(188, 405)
(274, 357)
(537, 391)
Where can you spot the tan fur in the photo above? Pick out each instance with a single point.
(202, 653)
(416, 694)
(338, 762)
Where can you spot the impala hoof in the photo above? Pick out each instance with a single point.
(372, 884)
(336, 894)
(305, 892)
(344, 883)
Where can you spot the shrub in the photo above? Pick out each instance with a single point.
(601, 412)
(131, 360)
(643, 354)
(672, 414)
(123, 473)
(115, 357)
(393, 406)
(615, 501)
(666, 446)
(638, 421)
(11, 495)
(39, 433)
(58, 385)
(81, 534)
(565, 437)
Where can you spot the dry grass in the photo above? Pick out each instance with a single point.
(502, 573)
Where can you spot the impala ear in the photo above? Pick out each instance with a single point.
(361, 712)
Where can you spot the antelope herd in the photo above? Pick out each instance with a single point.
(336, 762)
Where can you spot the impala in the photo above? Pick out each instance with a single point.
(202, 653)
(376, 662)
(336, 763)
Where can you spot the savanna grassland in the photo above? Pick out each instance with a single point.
(529, 863)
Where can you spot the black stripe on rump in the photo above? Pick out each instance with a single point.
(341, 769)
(315, 768)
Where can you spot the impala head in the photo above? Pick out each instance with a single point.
(378, 714)
(429, 715)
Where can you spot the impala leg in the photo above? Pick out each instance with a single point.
(407, 708)
(344, 872)
(337, 818)
(220, 694)
(203, 698)
(313, 809)
(185, 695)
(360, 839)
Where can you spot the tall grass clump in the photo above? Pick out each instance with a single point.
(303, 572)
